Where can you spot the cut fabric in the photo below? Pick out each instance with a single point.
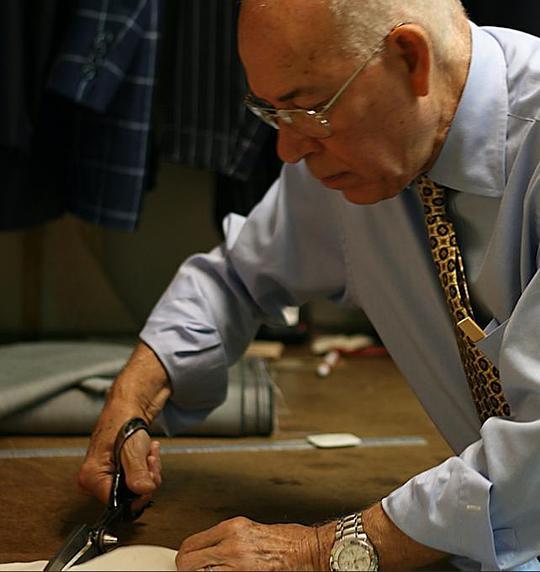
(124, 558)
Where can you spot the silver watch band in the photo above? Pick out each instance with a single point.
(352, 548)
(350, 527)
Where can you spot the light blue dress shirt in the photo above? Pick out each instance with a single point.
(304, 241)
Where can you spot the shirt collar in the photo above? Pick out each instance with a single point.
(472, 158)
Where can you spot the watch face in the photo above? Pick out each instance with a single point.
(353, 554)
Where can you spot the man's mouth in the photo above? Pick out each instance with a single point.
(334, 181)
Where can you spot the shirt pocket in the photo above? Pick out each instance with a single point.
(491, 344)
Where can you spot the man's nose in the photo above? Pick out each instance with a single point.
(293, 146)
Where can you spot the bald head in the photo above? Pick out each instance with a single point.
(363, 21)
(355, 26)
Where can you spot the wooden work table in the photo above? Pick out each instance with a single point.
(363, 395)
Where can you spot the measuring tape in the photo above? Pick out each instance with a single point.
(284, 445)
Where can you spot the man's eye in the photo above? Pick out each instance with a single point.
(259, 102)
(316, 107)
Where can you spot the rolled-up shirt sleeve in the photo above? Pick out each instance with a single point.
(216, 302)
(484, 504)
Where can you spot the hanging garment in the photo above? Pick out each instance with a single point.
(203, 120)
(90, 152)
(232, 195)
(28, 38)
(107, 66)
(30, 35)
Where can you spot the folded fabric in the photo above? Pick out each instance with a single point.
(34, 372)
(60, 388)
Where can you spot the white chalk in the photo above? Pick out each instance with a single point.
(331, 440)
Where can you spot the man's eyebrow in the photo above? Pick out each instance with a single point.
(290, 95)
(296, 93)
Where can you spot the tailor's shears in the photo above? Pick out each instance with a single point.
(88, 541)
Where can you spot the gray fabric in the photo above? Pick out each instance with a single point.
(60, 388)
(34, 372)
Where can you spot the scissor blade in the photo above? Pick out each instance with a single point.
(77, 548)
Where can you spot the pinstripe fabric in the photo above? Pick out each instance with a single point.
(107, 66)
(205, 123)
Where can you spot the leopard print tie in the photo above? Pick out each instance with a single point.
(482, 375)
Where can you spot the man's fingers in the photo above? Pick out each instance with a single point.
(100, 490)
(201, 560)
(242, 544)
(139, 503)
(154, 462)
(134, 457)
(94, 480)
(202, 540)
(233, 527)
(155, 470)
(142, 466)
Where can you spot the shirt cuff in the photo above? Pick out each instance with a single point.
(198, 378)
(447, 508)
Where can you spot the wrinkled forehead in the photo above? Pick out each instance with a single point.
(290, 34)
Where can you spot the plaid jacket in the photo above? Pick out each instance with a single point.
(107, 68)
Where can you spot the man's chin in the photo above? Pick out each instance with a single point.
(359, 191)
(364, 196)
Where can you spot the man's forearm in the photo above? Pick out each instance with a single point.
(140, 390)
(142, 387)
(396, 550)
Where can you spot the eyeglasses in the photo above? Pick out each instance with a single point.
(310, 122)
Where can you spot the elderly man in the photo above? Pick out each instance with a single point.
(412, 190)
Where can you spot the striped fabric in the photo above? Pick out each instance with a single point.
(107, 66)
(204, 122)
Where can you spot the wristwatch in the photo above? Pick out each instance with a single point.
(352, 548)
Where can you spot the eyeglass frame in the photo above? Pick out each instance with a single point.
(270, 115)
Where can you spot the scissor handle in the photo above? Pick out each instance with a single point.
(121, 496)
(85, 541)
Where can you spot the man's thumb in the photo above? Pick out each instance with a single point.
(134, 460)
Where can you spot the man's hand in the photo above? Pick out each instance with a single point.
(141, 390)
(141, 462)
(242, 544)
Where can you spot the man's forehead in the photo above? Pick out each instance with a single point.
(288, 49)
(286, 8)
(298, 28)
(285, 37)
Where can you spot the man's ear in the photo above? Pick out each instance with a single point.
(411, 43)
